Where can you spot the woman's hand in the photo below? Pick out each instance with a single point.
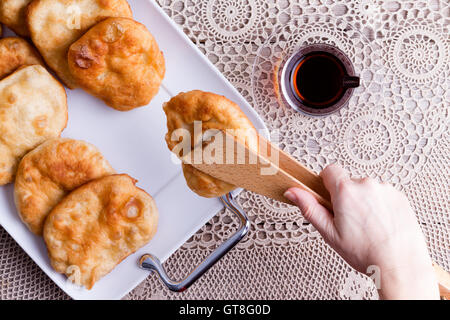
(372, 224)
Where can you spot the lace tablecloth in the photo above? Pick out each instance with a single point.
(396, 128)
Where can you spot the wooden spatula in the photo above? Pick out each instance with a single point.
(270, 172)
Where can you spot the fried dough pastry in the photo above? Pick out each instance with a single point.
(97, 226)
(14, 53)
(55, 24)
(33, 109)
(12, 14)
(118, 61)
(215, 112)
(49, 172)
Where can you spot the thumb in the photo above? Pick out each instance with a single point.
(313, 211)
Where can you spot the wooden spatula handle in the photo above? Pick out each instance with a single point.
(270, 175)
(301, 173)
(443, 278)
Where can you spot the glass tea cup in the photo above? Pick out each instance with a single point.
(318, 80)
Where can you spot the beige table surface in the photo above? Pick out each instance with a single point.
(396, 129)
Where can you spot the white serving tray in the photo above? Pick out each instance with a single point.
(133, 142)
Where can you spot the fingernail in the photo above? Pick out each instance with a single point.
(290, 196)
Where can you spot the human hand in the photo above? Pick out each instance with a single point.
(372, 225)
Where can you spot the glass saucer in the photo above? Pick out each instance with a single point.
(307, 30)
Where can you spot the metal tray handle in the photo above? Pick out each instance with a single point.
(152, 263)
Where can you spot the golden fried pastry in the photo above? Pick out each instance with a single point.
(12, 14)
(97, 226)
(118, 61)
(55, 24)
(49, 172)
(14, 53)
(215, 112)
(33, 109)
